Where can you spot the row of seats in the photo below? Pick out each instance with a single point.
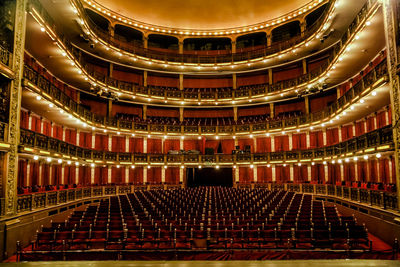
(207, 218)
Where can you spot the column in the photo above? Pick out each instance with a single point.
(324, 136)
(303, 25)
(180, 46)
(110, 69)
(291, 171)
(162, 175)
(63, 173)
(40, 180)
(109, 108)
(180, 81)
(180, 114)
(273, 173)
(234, 81)
(144, 112)
(51, 129)
(237, 174)
(308, 142)
(272, 143)
(304, 63)
(126, 143)
(91, 175)
(307, 104)
(63, 133)
(233, 44)
(356, 171)
(144, 144)
(126, 174)
(41, 125)
(269, 38)
(290, 141)
(326, 172)
(309, 172)
(181, 144)
(28, 172)
(109, 174)
(340, 133)
(145, 78)
(30, 122)
(341, 172)
(9, 182)
(378, 167)
(144, 175)
(76, 174)
(181, 170)
(270, 76)
(375, 121)
(354, 129)
(271, 109)
(386, 116)
(109, 142)
(145, 41)
(235, 113)
(93, 140)
(255, 174)
(51, 174)
(391, 170)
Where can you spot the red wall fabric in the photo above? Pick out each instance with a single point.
(172, 175)
(371, 123)
(246, 175)
(154, 175)
(171, 144)
(262, 110)
(24, 119)
(281, 143)
(289, 107)
(154, 146)
(163, 81)
(360, 128)
(136, 175)
(264, 174)
(246, 142)
(70, 136)
(282, 174)
(218, 113)
(56, 174)
(252, 79)
(45, 174)
(332, 136)
(84, 175)
(128, 76)
(193, 145)
(153, 112)
(34, 174)
(135, 145)
(207, 83)
(57, 132)
(227, 146)
(299, 141)
(116, 108)
(85, 140)
(97, 107)
(287, 73)
(69, 175)
(263, 144)
(381, 119)
(384, 172)
(118, 144)
(47, 128)
(320, 103)
(347, 132)
(22, 172)
(362, 171)
(101, 142)
(118, 175)
(316, 139)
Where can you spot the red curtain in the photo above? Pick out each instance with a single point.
(57, 132)
(373, 173)
(136, 175)
(263, 144)
(36, 124)
(246, 142)
(384, 172)
(171, 144)
(370, 123)
(70, 136)
(24, 119)
(101, 142)
(360, 128)
(299, 141)
(154, 175)
(246, 175)
(45, 174)
(47, 128)
(84, 175)
(136, 145)
(362, 171)
(316, 139)
(69, 175)
(281, 143)
(193, 145)
(318, 173)
(264, 174)
(154, 146)
(85, 140)
(332, 136)
(282, 174)
(56, 174)
(381, 119)
(212, 144)
(172, 175)
(118, 144)
(227, 146)
(117, 175)
(101, 175)
(22, 173)
(34, 174)
(347, 132)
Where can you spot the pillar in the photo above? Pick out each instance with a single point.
(110, 69)
(291, 172)
(233, 44)
(144, 114)
(237, 175)
(145, 78)
(144, 144)
(271, 109)
(234, 81)
(10, 173)
(255, 177)
(145, 41)
(93, 140)
(307, 104)
(270, 76)
(163, 175)
(324, 137)
(290, 141)
(109, 174)
(180, 46)
(272, 143)
(91, 174)
(304, 63)
(180, 114)
(126, 143)
(126, 174)
(309, 173)
(110, 142)
(308, 142)
(269, 38)
(235, 113)
(273, 173)
(180, 81)
(109, 108)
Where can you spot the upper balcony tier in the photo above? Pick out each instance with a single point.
(144, 56)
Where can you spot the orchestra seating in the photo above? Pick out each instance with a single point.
(207, 219)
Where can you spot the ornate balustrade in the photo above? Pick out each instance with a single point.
(381, 138)
(174, 93)
(34, 79)
(222, 56)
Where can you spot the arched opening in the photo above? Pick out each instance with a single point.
(315, 15)
(251, 40)
(98, 20)
(163, 42)
(128, 34)
(285, 32)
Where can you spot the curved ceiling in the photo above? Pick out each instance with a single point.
(202, 14)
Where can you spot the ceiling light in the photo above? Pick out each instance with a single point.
(48, 159)
(378, 155)
(366, 157)
(38, 97)
(35, 157)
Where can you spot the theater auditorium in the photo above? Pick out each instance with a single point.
(199, 132)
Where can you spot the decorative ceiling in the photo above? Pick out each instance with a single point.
(202, 14)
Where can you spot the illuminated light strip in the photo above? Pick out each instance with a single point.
(27, 149)
(5, 145)
(125, 163)
(383, 147)
(305, 160)
(74, 158)
(110, 162)
(349, 154)
(44, 152)
(98, 161)
(65, 156)
(291, 161)
(273, 162)
(369, 149)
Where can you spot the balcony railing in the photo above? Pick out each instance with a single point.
(43, 84)
(5, 57)
(378, 138)
(35, 201)
(185, 58)
(223, 56)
